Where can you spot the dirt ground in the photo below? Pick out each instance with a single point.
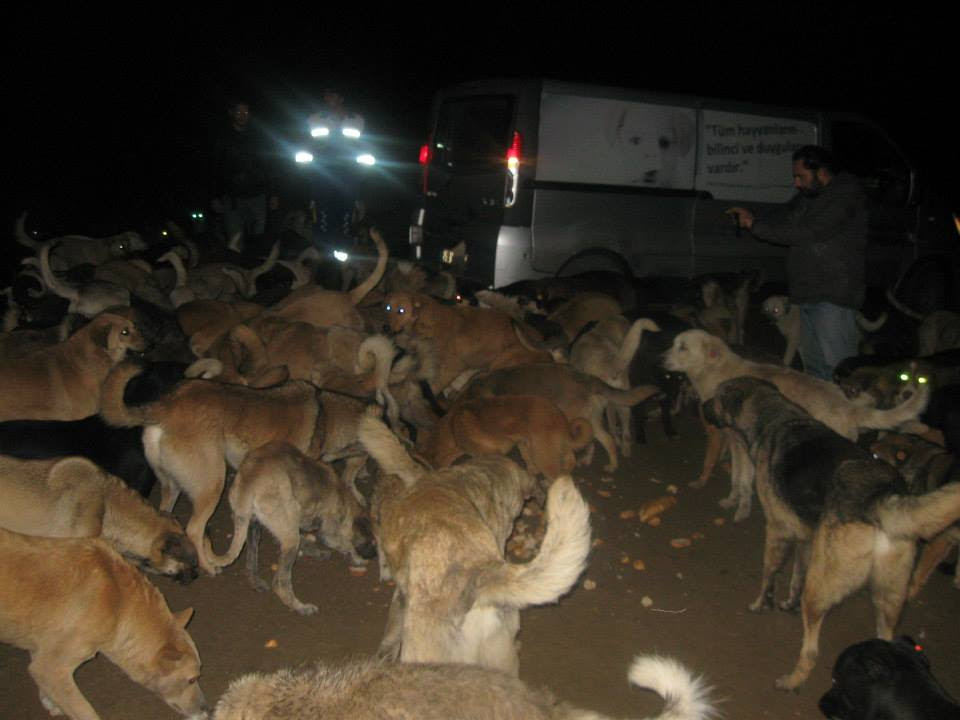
(580, 647)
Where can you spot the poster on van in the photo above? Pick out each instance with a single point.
(749, 157)
(615, 142)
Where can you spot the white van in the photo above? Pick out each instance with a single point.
(532, 178)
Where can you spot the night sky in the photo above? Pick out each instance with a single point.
(112, 115)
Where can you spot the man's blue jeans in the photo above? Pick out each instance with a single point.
(829, 335)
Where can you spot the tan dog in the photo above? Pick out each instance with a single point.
(203, 321)
(581, 309)
(462, 337)
(62, 382)
(534, 425)
(201, 427)
(371, 690)
(324, 308)
(283, 490)
(849, 516)
(707, 361)
(65, 600)
(442, 537)
(576, 394)
(605, 351)
(788, 321)
(72, 497)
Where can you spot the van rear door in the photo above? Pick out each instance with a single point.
(464, 181)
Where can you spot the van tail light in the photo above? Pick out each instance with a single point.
(426, 155)
(513, 170)
(514, 153)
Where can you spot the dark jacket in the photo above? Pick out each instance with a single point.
(241, 168)
(827, 237)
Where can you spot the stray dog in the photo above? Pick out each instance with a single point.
(925, 466)
(280, 488)
(461, 337)
(73, 250)
(62, 382)
(788, 321)
(881, 680)
(192, 434)
(582, 309)
(442, 536)
(708, 361)
(576, 394)
(534, 425)
(373, 690)
(606, 351)
(72, 497)
(731, 292)
(848, 514)
(65, 600)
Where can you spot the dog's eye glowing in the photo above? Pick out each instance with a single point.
(904, 377)
(400, 310)
(389, 308)
(124, 332)
(922, 380)
(193, 680)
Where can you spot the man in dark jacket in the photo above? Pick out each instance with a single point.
(242, 180)
(825, 227)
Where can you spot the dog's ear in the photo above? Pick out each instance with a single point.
(730, 398)
(100, 329)
(269, 377)
(711, 415)
(711, 347)
(183, 617)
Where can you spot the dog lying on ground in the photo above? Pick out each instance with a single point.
(848, 514)
(373, 690)
(441, 536)
(62, 382)
(708, 361)
(72, 497)
(576, 394)
(534, 425)
(459, 337)
(281, 489)
(881, 680)
(66, 600)
(924, 466)
(194, 433)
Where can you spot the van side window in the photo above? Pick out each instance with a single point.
(473, 133)
(866, 153)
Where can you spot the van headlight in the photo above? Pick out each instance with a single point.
(366, 159)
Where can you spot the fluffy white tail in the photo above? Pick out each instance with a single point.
(686, 696)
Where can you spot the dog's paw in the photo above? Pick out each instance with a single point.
(305, 608)
(760, 605)
(741, 514)
(728, 502)
(790, 605)
(51, 706)
(789, 683)
(698, 483)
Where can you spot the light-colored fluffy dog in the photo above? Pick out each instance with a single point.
(374, 690)
(539, 430)
(442, 537)
(65, 600)
(787, 319)
(192, 434)
(707, 361)
(605, 351)
(72, 497)
(72, 250)
(280, 488)
(62, 382)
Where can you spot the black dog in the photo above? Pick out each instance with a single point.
(882, 680)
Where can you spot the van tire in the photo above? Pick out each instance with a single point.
(595, 259)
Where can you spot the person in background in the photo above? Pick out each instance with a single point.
(825, 228)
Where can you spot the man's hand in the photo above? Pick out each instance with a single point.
(743, 217)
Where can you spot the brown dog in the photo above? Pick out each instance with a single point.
(280, 488)
(72, 497)
(460, 337)
(495, 425)
(576, 394)
(442, 536)
(849, 515)
(62, 382)
(201, 427)
(65, 600)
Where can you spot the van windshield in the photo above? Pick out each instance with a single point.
(473, 133)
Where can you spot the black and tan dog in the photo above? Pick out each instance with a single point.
(849, 514)
(881, 680)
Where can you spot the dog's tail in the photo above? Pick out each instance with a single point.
(376, 354)
(23, 237)
(361, 290)
(632, 341)
(562, 556)
(892, 299)
(906, 411)
(113, 409)
(686, 697)
(58, 287)
(623, 397)
(920, 516)
(385, 447)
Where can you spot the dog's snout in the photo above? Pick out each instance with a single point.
(187, 575)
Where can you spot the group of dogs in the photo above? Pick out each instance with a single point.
(293, 397)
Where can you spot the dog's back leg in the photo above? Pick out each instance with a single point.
(390, 646)
(253, 557)
(52, 671)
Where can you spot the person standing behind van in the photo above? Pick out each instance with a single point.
(825, 227)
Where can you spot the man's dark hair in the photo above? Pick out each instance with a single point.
(815, 157)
